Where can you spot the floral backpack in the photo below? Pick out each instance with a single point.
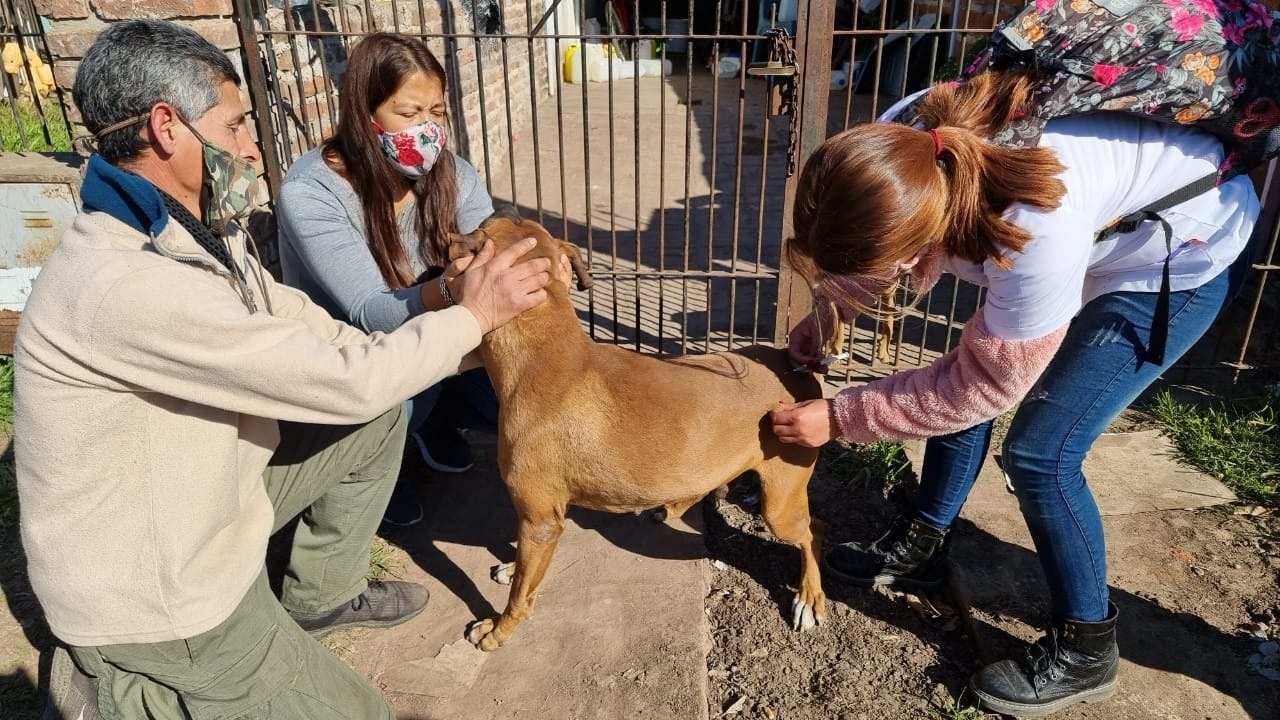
(1214, 64)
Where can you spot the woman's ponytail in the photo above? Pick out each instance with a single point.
(984, 179)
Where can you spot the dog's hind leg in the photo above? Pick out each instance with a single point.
(784, 488)
(536, 544)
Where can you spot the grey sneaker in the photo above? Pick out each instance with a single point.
(384, 604)
(72, 694)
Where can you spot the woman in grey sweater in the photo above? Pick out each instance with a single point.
(365, 221)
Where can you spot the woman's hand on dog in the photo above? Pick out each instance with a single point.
(496, 289)
(804, 346)
(809, 423)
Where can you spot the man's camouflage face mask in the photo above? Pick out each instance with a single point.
(229, 185)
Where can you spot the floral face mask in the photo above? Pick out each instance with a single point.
(414, 150)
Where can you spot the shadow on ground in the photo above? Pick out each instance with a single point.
(17, 692)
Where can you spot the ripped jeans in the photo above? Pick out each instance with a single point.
(1096, 374)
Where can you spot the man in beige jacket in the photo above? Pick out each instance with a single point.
(175, 406)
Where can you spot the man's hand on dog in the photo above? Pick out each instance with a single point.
(496, 289)
(809, 423)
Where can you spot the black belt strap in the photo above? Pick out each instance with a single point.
(1130, 222)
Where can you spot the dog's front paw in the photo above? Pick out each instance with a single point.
(483, 634)
(503, 573)
(808, 612)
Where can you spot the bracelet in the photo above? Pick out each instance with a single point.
(444, 292)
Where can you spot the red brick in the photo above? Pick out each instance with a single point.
(284, 58)
(62, 9)
(64, 73)
(221, 32)
(70, 39)
(129, 9)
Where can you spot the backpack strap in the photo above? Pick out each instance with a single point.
(1130, 222)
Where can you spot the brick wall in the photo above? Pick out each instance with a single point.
(74, 24)
(302, 70)
(306, 70)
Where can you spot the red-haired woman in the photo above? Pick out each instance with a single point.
(1065, 329)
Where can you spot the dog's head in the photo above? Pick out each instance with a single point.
(505, 231)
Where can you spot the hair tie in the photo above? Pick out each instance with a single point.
(937, 142)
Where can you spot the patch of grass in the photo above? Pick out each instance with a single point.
(955, 708)
(1237, 441)
(885, 462)
(8, 477)
(23, 131)
(383, 562)
(6, 396)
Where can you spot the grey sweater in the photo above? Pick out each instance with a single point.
(324, 251)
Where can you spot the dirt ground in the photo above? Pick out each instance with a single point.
(1191, 586)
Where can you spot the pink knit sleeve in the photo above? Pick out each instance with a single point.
(983, 377)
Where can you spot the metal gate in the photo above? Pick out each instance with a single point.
(32, 106)
(675, 183)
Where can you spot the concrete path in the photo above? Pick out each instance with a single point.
(619, 629)
(1129, 473)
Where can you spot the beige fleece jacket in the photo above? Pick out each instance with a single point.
(146, 402)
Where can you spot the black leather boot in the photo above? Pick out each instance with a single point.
(1075, 663)
(912, 556)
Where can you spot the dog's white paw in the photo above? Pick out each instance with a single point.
(503, 573)
(484, 634)
(803, 617)
(477, 630)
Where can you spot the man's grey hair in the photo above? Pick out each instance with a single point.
(137, 63)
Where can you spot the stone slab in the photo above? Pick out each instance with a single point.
(619, 629)
(1129, 473)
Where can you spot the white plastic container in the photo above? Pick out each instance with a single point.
(599, 58)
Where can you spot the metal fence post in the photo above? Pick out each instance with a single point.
(815, 31)
(256, 77)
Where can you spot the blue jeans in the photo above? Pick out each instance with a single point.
(462, 401)
(1099, 370)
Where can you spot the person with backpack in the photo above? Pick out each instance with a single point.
(1014, 179)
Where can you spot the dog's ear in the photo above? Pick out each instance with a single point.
(579, 267)
(461, 246)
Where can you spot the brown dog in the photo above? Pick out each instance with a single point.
(601, 427)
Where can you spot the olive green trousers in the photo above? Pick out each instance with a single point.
(258, 664)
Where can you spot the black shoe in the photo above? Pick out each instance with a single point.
(72, 694)
(383, 604)
(444, 449)
(403, 509)
(1075, 663)
(912, 556)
